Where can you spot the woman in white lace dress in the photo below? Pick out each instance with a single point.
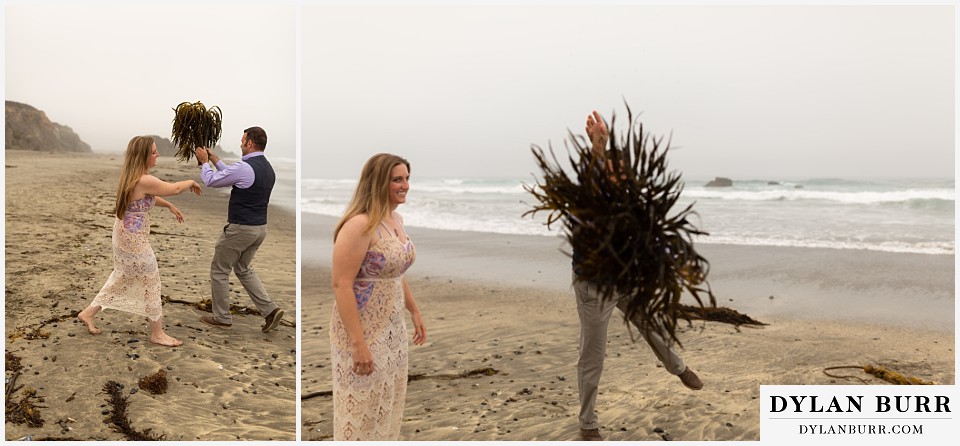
(368, 336)
(134, 284)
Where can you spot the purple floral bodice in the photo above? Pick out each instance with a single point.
(136, 213)
(387, 260)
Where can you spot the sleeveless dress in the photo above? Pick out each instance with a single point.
(134, 284)
(370, 407)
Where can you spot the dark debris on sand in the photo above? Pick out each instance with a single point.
(26, 410)
(29, 333)
(118, 415)
(12, 363)
(483, 371)
(207, 305)
(156, 383)
(716, 314)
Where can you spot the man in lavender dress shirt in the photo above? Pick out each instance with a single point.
(252, 180)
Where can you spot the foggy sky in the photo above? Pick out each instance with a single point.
(748, 92)
(112, 71)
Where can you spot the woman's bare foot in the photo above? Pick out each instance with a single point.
(88, 321)
(166, 340)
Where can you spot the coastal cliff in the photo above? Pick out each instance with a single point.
(29, 129)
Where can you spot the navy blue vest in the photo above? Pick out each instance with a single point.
(249, 206)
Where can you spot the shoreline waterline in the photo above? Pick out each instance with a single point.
(787, 282)
(900, 216)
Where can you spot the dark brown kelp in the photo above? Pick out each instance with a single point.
(118, 418)
(717, 314)
(195, 126)
(618, 213)
(12, 362)
(26, 410)
(155, 383)
(881, 372)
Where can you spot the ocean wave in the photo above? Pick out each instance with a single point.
(312, 184)
(331, 209)
(456, 186)
(448, 186)
(469, 190)
(518, 226)
(895, 216)
(936, 195)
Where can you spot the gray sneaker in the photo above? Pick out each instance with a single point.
(590, 435)
(272, 320)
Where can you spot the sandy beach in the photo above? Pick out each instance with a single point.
(504, 302)
(223, 384)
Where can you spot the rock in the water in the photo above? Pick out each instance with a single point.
(720, 182)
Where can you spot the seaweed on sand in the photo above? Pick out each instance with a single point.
(620, 215)
(24, 411)
(118, 419)
(29, 333)
(207, 305)
(717, 314)
(156, 383)
(12, 362)
(881, 372)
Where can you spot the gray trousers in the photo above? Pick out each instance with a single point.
(594, 319)
(235, 250)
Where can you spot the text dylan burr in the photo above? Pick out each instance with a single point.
(855, 403)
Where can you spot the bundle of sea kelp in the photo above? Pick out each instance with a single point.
(156, 383)
(618, 211)
(195, 126)
(881, 372)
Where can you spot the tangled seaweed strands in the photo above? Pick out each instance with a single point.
(881, 372)
(156, 383)
(29, 333)
(620, 218)
(717, 314)
(12, 362)
(195, 126)
(118, 418)
(24, 411)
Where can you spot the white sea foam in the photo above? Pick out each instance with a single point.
(835, 196)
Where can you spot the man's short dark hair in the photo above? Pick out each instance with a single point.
(257, 136)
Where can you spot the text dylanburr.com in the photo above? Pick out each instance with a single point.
(856, 414)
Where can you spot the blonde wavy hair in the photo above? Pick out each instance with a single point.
(372, 196)
(134, 167)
